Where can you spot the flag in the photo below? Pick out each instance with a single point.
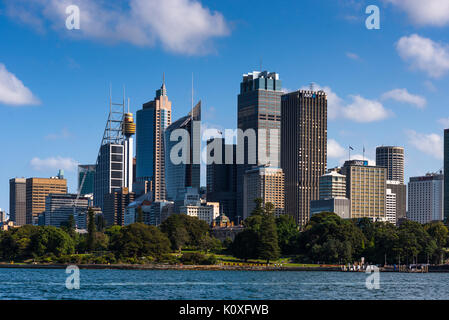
(351, 148)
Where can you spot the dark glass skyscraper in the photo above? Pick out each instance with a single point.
(304, 149)
(86, 176)
(259, 107)
(151, 121)
(180, 176)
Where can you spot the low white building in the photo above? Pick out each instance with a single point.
(207, 212)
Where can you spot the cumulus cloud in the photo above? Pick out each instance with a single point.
(431, 144)
(352, 56)
(428, 12)
(53, 163)
(364, 110)
(334, 149)
(402, 95)
(13, 91)
(444, 122)
(424, 54)
(180, 26)
(359, 109)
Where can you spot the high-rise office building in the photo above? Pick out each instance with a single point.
(446, 175)
(59, 208)
(259, 109)
(366, 189)
(37, 189)
(391, 158)
(390, 206)
(303, 149)
(266, 183)
(222, 177)
(17, 201)
(425, 198)
(86, 176)
(114, 167)
(152, 120)
(332, 185)
(186, 173)
(115, 204)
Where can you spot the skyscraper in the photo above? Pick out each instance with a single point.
(37, 189)
(222, 177)
(114, 167)
(179, 176)
(392, 158)
(446, 175)
(86, 175)
(152, 120)
(303, 149)
(366, 188)
(259, 108)
(17, 201)
(115, 204)
(59, 208)
(425, 198)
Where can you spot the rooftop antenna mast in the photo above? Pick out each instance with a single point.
(312, 86)
(191, 112)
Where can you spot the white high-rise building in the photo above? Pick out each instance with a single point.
(425, 198)
(390, 206)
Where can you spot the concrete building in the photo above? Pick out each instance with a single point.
(446, 175)
(339, 206)
(152, 120)
(37, 189)
(332, 185)
(59, 208)
(366, 189)
(391, 158)
(303, 149)
(266, 183)
(258, 109)
(390, 206)
(115, 204)
(207, 212)
(2, 216)
(17, 201)
(400, 190)
(425, 198)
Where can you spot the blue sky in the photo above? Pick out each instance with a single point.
(385, 87)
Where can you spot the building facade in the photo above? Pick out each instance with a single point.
(186, 173)
(59, 208)
(446, 175)
(390, 206)
(17, 201)
(115, 204)
(400, 190)
(37, 189)
(152, 120)
(303, 149)
(339, 206)
(258, 109)
(207, 212)
(366, 189)
(265, 183)
(86, 173)
(391, 158)
(425, 198)
(332, 185)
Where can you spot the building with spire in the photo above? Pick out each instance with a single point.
(152, 120)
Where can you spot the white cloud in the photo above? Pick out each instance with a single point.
(430, 86)
(53, 163)
(363, 110)
(359, 110)
(180, 26)
(334, 149)
(424, 54)
(425, 12)
(431, 144)
(352, 56)
(444, 122)
(12, 90)
(402, 95)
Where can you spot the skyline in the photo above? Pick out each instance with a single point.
(383, 75)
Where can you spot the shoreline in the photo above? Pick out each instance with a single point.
(432, 269)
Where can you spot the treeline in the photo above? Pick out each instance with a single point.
(135, 243)
(329, 239)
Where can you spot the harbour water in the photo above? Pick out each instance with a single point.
(228, 285)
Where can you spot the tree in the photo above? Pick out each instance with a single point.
(208, 243)
(194, 230)
(268, 246)
(51, 240)
(91, 229)
(439, 232)
(258, 210)
(139, 215)
(138, 240)
(245, 245)
(287, 233)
